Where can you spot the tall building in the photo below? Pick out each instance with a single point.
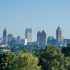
(4, 36)
(9, 38)
(41, 39)
(59, 37)
(28, 35)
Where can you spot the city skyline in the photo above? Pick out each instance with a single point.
(16, 15)
(28, 33)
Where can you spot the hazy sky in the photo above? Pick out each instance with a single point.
(16, 15)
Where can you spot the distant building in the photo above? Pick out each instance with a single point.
(31, 47)
(9, 38)
(25, 43)
(22, 41)
(67, 42)
(28, 35)
(19, 40)
(51, 41)
(4, 49)
(41, 39)
(59, 36)
(5, 36)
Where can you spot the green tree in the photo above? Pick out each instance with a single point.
(53, 58)
(6, 60)
(67, 63)
(26, 61)
(10, 59)
(66, 51)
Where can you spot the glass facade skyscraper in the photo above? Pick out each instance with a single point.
(41, 39)
(59, 37)
(5, 36)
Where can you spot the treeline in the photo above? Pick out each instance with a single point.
(51, 58)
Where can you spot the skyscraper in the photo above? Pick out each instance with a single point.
(9, 38)
(59, 37)
(4, 36)
(41, 39)
(28, 34)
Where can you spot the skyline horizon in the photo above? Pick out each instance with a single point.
(17, 15)
(15, 35)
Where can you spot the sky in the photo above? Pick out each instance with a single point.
(16, 15)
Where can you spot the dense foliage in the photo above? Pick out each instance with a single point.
(51, 58)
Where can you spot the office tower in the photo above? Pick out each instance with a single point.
(41, 39)
(28, 35)
(9, 38)
(59, 37)
(5, 36)
(18, 39)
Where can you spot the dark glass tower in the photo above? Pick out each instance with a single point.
(41, 39)
(4, 36)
